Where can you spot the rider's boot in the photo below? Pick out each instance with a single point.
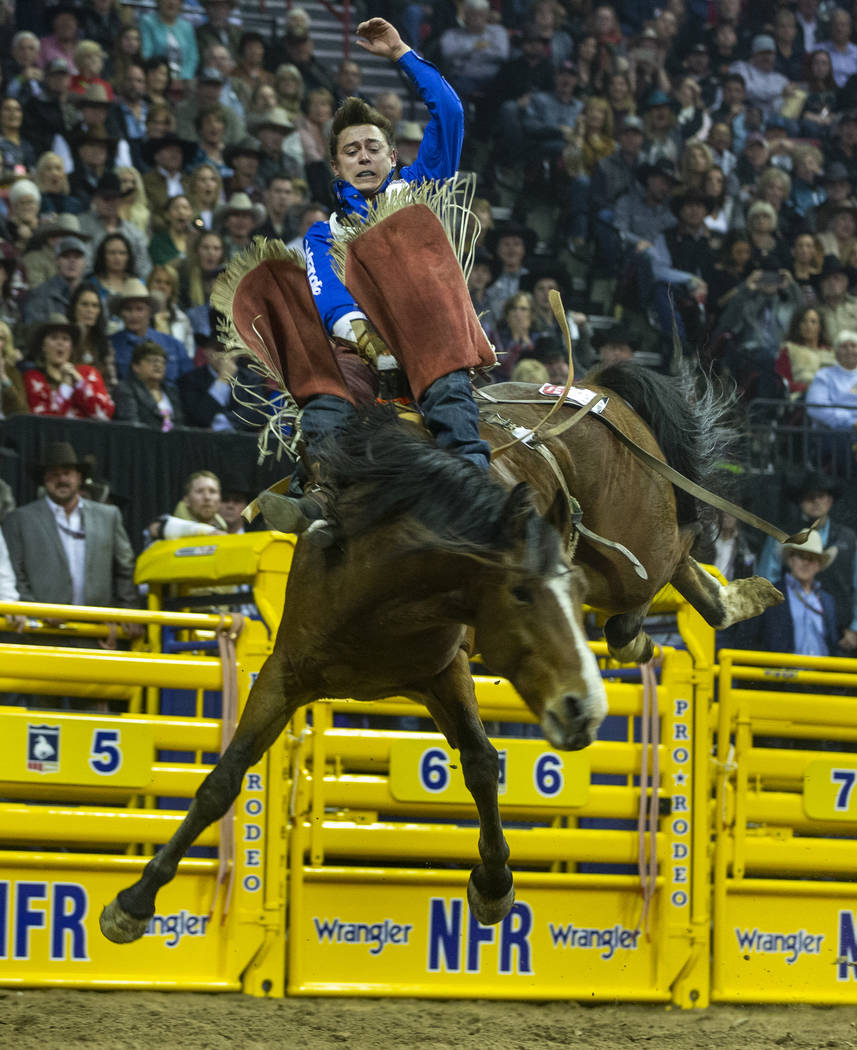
(452, 416)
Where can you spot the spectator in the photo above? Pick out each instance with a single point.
(663, 139)
(810, 28)
(24, 73)
(805, 623)
(832, 396)
(159, 81)
(51, 178)
(318, 111)
(94, 156)
(310, 213)
(289, 87)
(514, 334)
(210, 127)
(89, 59)
(58, 386)
(540, 282)
(133, 206)
(218, 29)
(100, 20)
(53, 295)
(548, 119)
(765, 87)
(24, 202)
(8, 588)
(205, 192)
(168, 156)
(171, 244)
(730, 270)
(167, 33)
(144, 397)
(806, 194)
(732, 554)
(282, 151)
(103, 219)
(843, 54)
(242, 159)
(510, 244)
(112, 266)
(136, 305)
(724, 209)
(767, 247)
(133, 108)
(126, 52)
(756, 319)
(819, 108)
(805, 265)
(838, 190)
(298, 49)
(86, 310)
(208, 393)
(805, 350)
(812, 496)
(615, 346)
(839, 235)
(481, 275)
(199, 270)
(13, 394)
(61, 42)
(237, 219)
(838, 308)
(15, 152)
(471, 54)
(68, 550)
(164, 281)
(50, 113)
(250, 69)
(207, 97)
(616, 174)
(197, 512)
(280, 198)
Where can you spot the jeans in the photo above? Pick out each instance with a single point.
(452, 416)
(322, 415)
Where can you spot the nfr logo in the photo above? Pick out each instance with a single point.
(450, 938)
(43, 748)
(846, 955)
(58, 907)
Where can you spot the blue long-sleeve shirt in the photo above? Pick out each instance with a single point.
(438, 157)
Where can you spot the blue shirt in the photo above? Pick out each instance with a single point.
(437, 158)
(807, 617)
(125, 342)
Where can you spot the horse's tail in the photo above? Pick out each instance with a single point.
(691, 423)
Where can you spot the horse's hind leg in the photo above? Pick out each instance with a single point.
(723, 606)
(451, 699)
(269, 707)
(627, 641)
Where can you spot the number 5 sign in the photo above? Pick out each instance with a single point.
(828, 791)
(529, 775)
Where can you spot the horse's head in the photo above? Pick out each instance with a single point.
(529, 628)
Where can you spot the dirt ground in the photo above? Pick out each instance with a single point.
(59, 1020)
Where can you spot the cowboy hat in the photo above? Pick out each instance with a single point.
(540, 269)
(811, 548)
(690, 196)
(245, 147)
(110, 185)
(812, 481)
(61, 454)
(662, 166)
(135, 291)
(276, 117)
(92, 95)
(239, 202)
(64, 225)
(93, 136)
(659, 98)
(830, 266)
(511, 229)
(56, 322)
(153, 146)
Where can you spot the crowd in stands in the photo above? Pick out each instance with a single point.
(685, 167)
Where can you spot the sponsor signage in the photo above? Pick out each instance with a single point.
(828, 791)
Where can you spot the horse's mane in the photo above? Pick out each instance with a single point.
(690, 424)
(385, 471)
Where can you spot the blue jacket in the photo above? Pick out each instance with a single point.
(153, 35)
(774, 630)
(437, 158)
(125, 342)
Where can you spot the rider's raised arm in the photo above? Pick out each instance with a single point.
(440, 150)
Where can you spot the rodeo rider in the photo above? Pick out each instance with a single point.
(363, 158)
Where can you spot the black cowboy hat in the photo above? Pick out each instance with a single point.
(811, 480)
(511, 229)
(150, 148)
(662, 166)
(81, 136)
(618, 334)
(541, 268)
(830, 265)
(248, 146)
(658, 98)
(61, 454)
(54, 323)
(690, 196)
(110, 185)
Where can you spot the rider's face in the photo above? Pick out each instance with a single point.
(363, 157)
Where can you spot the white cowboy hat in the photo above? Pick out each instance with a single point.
(811, 548)
(133, 290)
(239, 202)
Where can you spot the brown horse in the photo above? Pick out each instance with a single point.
(431, 546)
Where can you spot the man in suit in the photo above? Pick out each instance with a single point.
(145, 397)
(208, 393)
(68, 550)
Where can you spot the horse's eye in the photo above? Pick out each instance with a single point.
(523, 595)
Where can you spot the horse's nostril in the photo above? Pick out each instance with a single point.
(572, 707)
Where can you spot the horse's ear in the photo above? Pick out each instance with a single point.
(516, 513)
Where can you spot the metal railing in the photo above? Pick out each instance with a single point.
(782, 437)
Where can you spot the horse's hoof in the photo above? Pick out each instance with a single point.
(638, 651)
(489, 910)
(120, 927)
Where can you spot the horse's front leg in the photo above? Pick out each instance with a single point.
(451, 699)
(269, 707)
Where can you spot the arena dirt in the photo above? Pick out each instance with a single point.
(60, 1020)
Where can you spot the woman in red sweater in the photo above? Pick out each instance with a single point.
(57, 386)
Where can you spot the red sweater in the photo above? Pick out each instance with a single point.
(87, 399)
